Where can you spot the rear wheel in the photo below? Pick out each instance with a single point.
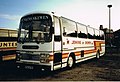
(70, 62)
(98, 54)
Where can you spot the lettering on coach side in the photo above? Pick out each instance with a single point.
(88, 42)
(76, 42)
(8, 44)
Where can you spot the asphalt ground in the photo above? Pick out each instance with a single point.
(107, 68)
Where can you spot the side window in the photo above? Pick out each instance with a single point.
(97, 34)
(57, 26)
(101, 35)
(69, 28)
(8, 33)
(82, 31)
(90, 33)
(4, 33)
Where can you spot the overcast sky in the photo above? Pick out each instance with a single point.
(88, 12)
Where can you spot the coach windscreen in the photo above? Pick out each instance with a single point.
(35, 28)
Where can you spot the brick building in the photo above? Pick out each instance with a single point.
(117, 38)
(109, 36)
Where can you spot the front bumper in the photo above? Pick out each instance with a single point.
(33, 67)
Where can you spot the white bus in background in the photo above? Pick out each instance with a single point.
(50, 42)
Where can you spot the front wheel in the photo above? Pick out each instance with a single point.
(70, 62)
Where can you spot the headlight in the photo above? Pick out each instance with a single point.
(42, 55)
(18, 57)
(18, 54)
(42, 61)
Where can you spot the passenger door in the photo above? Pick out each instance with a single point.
(57, 36)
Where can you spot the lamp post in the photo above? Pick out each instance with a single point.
(109, 6)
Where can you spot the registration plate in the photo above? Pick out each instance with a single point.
(29, 67)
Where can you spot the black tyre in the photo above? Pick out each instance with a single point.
(70, 62)
(98, 54)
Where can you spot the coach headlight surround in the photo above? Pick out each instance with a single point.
(44, 58)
